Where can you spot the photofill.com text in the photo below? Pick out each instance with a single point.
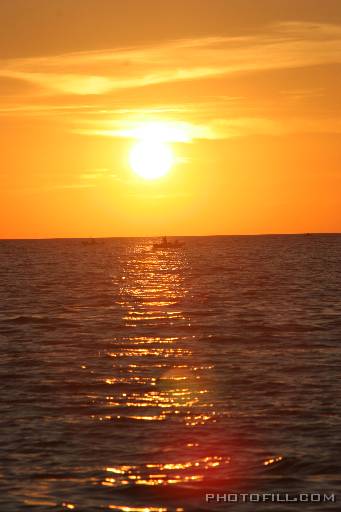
(270, 497)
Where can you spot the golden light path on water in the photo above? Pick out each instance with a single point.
(160, 382)
(161, 378)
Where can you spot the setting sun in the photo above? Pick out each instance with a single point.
(151, 160)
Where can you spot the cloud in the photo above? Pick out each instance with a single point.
(49, 188)
(222, 128)
(285, 45)
(109, 76)
(66, 83)
(156, 196)
(94, 174)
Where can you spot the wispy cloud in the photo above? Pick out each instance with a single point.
(43, 189)
(155, 196)
(284, 45)
(225, 128)
(63, 83)
(95, 174)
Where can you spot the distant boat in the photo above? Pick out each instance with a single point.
(166, 244)
(90, 241)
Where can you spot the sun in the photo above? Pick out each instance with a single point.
(151, 159)
(152, 156)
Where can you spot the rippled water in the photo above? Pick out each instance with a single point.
(138, 381)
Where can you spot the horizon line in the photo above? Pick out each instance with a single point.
(303, 233)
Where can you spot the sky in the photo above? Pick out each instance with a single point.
(246, 91)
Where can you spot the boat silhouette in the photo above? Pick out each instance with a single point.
(166, 244)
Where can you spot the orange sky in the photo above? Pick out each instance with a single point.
(254, 83)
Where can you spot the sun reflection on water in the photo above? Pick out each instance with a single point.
(158, 375)
(161, 474)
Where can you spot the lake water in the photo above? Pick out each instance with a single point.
(139, 381)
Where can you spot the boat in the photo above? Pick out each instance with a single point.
(166, 244)
(90, 241)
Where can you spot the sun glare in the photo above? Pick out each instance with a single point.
(152, 157)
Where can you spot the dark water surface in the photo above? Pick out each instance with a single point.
(138, 381)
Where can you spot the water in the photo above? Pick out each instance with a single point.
(134, 380)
